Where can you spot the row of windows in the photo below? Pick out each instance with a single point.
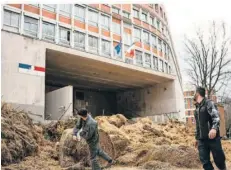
(151, 20)
(31, 27)
(79, 13)
(116, 27)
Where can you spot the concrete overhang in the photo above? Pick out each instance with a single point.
(85, 70)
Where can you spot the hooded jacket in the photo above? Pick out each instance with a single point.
(207, 118)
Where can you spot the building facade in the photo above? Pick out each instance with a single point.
(67, 51)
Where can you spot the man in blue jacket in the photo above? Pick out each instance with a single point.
(87, 128)
(207, 131)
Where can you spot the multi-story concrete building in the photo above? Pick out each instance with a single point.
(59, 57)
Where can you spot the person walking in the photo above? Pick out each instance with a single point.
(87, 128)
(207, 131)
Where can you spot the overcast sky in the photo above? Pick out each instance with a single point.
(186, 15)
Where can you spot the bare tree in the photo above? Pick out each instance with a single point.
(209, 59)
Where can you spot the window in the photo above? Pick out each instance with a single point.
(93, 43)
(152, 21)
(165, 49)
(146, 37)
(155, 63)
(127, 38)
(64, 35)
(93, 18)
(161, 65)
(156, 8)
(191, 103)
(160, 45)
(79, 39)
(126, 14)
(65, 9)
(135, 13)
(153, 41)
(115, 10)
(79, 12)
(158, 24)
(148, 60)
(48, 31)
(185, 103)
(166, 67)
(127, 59)
(106, 47)
(144, 17)
(161, 12)
(49, 7)
(105, 22)
(169, 70)
(116, 28)
(117, 55)
(11, 19)
(31, 26)
(137, 35)
(139, 60)
(37, 5)
(189, 113)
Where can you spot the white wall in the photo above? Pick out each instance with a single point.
(23, 90)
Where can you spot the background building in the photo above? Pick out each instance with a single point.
(59, 57)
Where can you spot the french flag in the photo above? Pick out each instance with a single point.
(30, 69)
(131, 51)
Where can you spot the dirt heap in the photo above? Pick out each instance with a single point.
(54, 130)
(145, 142)
(20, 137)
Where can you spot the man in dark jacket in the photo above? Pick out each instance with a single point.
(207, 131)
(87, 128)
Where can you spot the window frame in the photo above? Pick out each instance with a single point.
(146, 41)
(125, 12)
(49, 8)
(153, 41)
(133, 12)
(135, 36)
(76, 16)
(64, 41)
(155, 62)
(92, 48)
(77, 44)
(29, 31)
(113, 10)
(140, 63)
(116, 28)
(10, 13)
(149, 63)
(146, 17)
(47, 36)
(107, 53)
(104, 26)
(64, 12)
(91, 22)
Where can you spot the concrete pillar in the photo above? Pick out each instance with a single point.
(86, 22)
(22, 20)
(57, 25)
(100, 33)
(72, 26)
(111, 37)
(40, 22)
